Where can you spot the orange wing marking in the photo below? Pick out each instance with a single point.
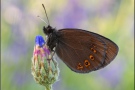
(79, 66)
(93, 50)
(91, 57)
(86, 63)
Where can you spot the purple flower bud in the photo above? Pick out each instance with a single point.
(39, 40)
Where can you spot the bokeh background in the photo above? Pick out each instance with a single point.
(113, 19)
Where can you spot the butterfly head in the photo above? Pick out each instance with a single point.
(48, 30)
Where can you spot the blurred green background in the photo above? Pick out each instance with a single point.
(113, 19)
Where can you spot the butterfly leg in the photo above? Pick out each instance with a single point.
(52, 53)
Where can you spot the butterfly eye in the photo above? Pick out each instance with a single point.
(45, 30)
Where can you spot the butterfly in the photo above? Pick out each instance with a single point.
(82, 51)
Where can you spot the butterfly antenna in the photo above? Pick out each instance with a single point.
(42, 20)
(46, 13)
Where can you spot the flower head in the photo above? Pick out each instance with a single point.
(44, 69)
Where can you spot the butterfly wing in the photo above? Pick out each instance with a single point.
(84, 51)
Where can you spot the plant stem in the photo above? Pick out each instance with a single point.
(48, 87)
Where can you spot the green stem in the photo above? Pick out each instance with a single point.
(48, 87)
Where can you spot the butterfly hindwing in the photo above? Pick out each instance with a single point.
(111, 52)
(84, 51)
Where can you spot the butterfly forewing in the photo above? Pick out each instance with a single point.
(85, 51)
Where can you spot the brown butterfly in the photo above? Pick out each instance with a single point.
(82, 51)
